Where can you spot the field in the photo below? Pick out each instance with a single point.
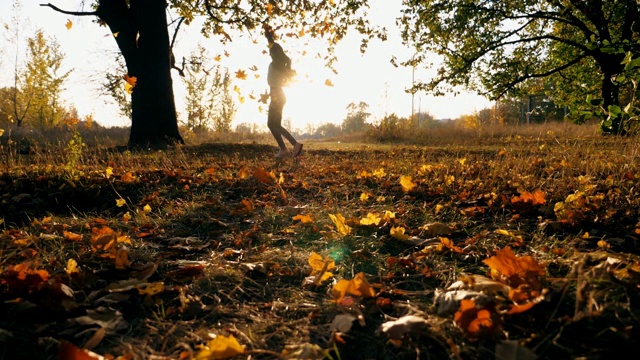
(510, 244)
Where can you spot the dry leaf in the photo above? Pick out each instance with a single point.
(305, 219)
(371, 219)
(358, 286)
(340, 223)
(408, 324)
(221, 347)
(436, 229)
(476, 321)
(398, 233)
(407, 183)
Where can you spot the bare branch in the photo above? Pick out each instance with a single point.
(75, 13)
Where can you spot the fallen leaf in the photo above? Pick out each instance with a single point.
(358, 286)
(340, 223)
(407, 324)
(398, 233)
(221, 347)
(305, 219)
(407, 183)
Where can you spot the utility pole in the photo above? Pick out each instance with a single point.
(413, 79)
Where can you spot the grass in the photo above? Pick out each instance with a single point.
(232, 260)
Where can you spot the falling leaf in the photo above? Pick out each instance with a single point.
(269, 8)
(221, 347)
(130, 83)
(407, 183)
(264, 97)
(305, 219)
(115, 34)
(340, 223)
(328, 82)
(69, 24)
(217, 57)
(358, 286)
(241, 74)
(398, 233)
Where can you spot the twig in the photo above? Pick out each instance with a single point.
(75, 13)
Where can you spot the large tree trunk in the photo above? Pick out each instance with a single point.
(143, 38)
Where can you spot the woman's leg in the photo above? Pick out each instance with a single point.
(274, 123)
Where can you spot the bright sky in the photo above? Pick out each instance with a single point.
(90, 49)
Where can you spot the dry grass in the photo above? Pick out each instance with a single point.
(233, 260)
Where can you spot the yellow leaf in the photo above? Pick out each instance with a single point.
(380, 173)
(121, 202)
(305, 219)
(241, 99)
(108, 172)
(130, 83)
(364, 197)
(115, 34)
(371, 219)
(340, 223)
(221, 347)
(146, 209)
(236, 89)
(407, 183)
(398, 233)
(241, 74)
(318, 264)
(126, 217)
(69, 24)
(449, 179)
(438, 208)
(151, 289)
(389, 216)
(328, 82)
(263, 176)
(72, 267)
(358, 286)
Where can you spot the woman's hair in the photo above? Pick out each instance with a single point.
(278, 55)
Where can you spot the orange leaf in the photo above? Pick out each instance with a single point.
(241, 74)
(474, 321)
(68, 351)
(69, 24)
(318, 263)
(69, 236)
(328, 82)
(514, 270)
(358, 286)
(305, 219)
(263, 176)
(122, 258)
(128, 178)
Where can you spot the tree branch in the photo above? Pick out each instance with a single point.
(75, 13)
(508, 86)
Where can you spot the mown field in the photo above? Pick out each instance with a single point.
(510, 245)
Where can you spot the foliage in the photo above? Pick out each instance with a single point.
(209, 100)
(356, 120)
(36, 97)
(499, 48)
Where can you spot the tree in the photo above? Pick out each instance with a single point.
(495, 47)
(141, 33)
(41, 83)
(357, 115)
(209, 100)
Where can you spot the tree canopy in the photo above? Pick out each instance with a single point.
(500, 47)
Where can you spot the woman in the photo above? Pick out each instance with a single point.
(279, 73)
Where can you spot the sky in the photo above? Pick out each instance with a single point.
(371, 78)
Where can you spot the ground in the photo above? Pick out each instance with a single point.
(152, 255)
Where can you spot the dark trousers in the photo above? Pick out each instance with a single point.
(274, 117)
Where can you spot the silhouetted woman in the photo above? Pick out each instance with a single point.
(279, 74)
